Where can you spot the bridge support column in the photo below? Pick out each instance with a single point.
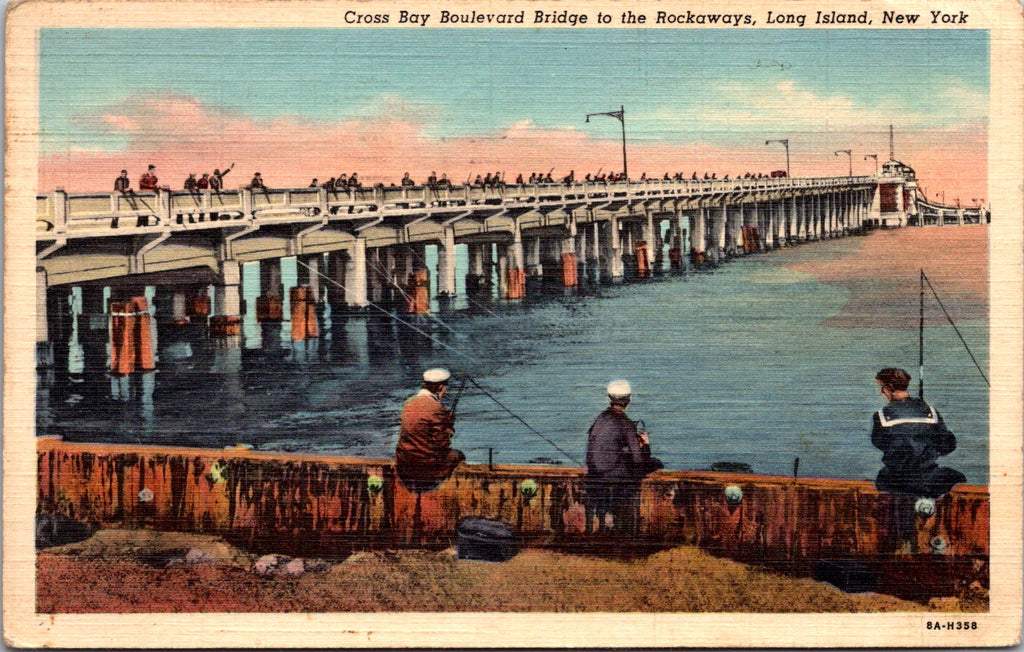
(815, 216)
(309, 271)
(780, 223)
(793, 221)
(355, 276)
(567, 250)
(93, 333)
(698, 241)
(751, 228)
(800, 215)
(479, 284)
(269, 305)
(717, 245)
(417, 288)
(594, 254)
(649, 235)
(446, 264)
(734, 228)
(830, 209)
(768, 218)
(611, 254)
(227, 298)
(54, 324)
(513, 278)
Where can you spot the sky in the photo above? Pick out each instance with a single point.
(302, 103)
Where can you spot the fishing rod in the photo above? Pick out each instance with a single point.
(455, 351)
(920, 343)
(925, 279)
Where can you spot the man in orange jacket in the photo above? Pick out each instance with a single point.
(424, 457)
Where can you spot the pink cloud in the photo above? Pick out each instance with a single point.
(181, 135)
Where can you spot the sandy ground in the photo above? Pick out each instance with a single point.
(122, 571)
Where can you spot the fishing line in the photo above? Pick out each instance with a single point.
(383, 270)
(457, 352)
(957, 330)
(518, 418)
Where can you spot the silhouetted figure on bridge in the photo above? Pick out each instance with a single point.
(407, 180)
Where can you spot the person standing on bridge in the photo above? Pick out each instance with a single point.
(407, 180)
(217, 179)
(618, 458)
(912, 436)
(424, 457)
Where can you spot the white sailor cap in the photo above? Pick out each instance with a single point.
(619, 389)
(436, 376)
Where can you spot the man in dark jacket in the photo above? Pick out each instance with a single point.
(912, 436)
(618, 458)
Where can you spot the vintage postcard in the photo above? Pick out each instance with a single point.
(504, 324)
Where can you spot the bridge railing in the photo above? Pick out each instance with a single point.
(83, 215)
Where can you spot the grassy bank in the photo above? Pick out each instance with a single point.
(115, 572)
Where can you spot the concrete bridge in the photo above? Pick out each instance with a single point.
(363, 246)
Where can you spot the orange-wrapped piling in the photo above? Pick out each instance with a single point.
(516, 284)
(131, 347)
(569, 274)
(225, 326)
(269, 309)
(418, 293)
(304, 322)
(643, 260)
(675, 258)
(199, 306)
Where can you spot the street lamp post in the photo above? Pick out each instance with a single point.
(785, 143)
(874, 156)
(619, 115)
(848, 153)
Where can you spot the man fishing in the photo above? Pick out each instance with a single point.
(424, 457)
(618, 458)
(912, 436)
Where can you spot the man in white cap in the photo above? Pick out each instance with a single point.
(424, 457)
(618, 458)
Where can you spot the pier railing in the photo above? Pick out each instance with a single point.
(60, 214)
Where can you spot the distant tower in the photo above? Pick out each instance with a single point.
(892, 153)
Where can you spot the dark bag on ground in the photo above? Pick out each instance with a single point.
(485, 539)
(58, 530)
(847, 576)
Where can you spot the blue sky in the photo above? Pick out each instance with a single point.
(678, 85)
